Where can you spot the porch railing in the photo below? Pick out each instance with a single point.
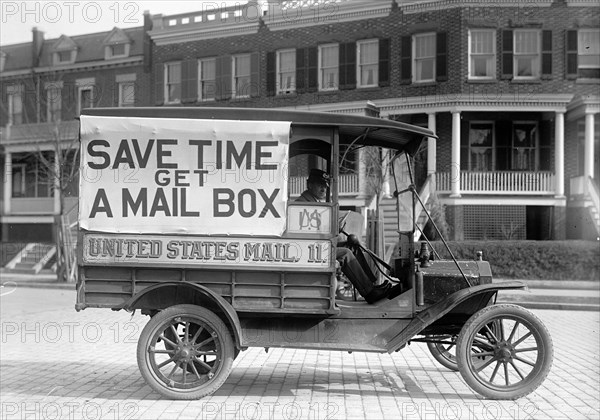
(347, 185)
(499, 182)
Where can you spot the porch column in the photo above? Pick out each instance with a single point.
(57, 192)
(431, 150)
(7, 182)
(559, 153)
(455, 157)
(588, 166)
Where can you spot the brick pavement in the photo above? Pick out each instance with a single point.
(60, 364)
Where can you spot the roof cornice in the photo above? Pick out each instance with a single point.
(328, 13)
(433, 5)
(135, 60)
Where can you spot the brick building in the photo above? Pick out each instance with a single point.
(45, 83)
(511, 89)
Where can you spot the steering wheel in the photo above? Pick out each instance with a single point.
(342, 222)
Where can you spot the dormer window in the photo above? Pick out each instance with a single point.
(64, 56)
(64, 51)
(116, 44)
(116, 50)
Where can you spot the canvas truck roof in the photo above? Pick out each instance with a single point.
(362, 130)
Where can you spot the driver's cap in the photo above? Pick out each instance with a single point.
(317, 175)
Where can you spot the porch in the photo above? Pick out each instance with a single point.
(499, 183)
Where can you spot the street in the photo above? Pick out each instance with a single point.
(57, 363)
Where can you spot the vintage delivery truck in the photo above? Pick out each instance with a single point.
(185, 215)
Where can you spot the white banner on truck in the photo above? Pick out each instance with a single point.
(165, 175)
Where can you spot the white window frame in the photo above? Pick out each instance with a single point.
(130, 101)
(166, 83)
(201, 79)
(280, 74)
(415, 59)
(57, 55)
(80, 90)
(581, 52)
(15, 91)
(18, 167)
(536, 68)
(109, 53)
(335, 68)
(235, 76)
(470, 146)
(490, 56)
(535, 147)
(52, 100)
(360, 65)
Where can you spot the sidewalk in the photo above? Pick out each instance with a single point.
(541, 294)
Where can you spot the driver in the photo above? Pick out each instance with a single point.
(317, 185)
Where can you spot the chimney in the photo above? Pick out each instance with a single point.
(36, 46)
(147, 47)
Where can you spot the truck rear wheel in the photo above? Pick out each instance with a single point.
(185, 352)
(504, 352)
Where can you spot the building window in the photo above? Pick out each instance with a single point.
(118, 50)
(482, 54)
(424, 57)
(368, 63)
(126, 94)
(241, 76)
(329, 63)
(526, 64)
(53, 103)
(64, 57)
(85, 98)
(173, 82)
(15, 105)
(286, 71)
(524, 146)
(588, 53)
(481, 146)
(30, 177)
(18, 180)
(206, 79)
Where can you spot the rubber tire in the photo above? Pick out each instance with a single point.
(449, 363)
(544, 344)
(223, 335)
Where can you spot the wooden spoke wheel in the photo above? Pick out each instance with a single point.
(444, 351)
(185, 352)
(504, 352)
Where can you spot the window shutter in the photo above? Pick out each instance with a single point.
(189, 81)
(223, 77)
(571, 53)
(406, 59)
(507, 54)
(348, 65)
(159, 84)
(547, 53)
(441, 57)
(313, 69)
(254, 74)
(301, 70)
(384, 62)
(271, 70)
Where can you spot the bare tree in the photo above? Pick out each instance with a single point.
(61, 170)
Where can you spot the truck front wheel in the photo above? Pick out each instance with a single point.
(185, 352)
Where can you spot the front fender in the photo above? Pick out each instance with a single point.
(435, 312)
(213, 297)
